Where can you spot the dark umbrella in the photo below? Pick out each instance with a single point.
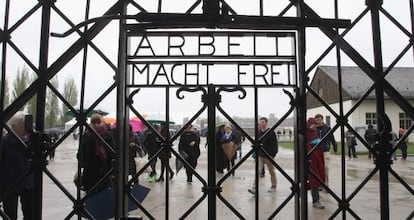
(94, 111)
(178, 163)
(157, 119)
(102, 204)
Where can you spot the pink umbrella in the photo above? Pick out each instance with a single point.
(137, 125)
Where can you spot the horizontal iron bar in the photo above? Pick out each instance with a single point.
(137, 60)
(233, 21)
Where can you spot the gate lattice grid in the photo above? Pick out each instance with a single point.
(68, 41)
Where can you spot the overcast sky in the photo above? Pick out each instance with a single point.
(100, 74)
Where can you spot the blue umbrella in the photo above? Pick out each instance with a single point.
(102, 204)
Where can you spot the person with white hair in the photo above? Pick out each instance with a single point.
(14, 163)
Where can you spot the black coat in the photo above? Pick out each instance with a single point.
(94, 166)
(270, 144)
(184, 144)
(326, 144)
(14, 163)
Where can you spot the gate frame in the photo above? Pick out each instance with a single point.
(211, 15)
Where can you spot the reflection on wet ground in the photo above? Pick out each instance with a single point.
(183, 195)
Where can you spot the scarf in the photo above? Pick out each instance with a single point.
(99, 145)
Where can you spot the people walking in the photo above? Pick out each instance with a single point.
(152, 145)
(351, 143)
(165, 155)
(316, 162)
(96, 158)
(270, 145)
(190, 143)
(370, 136)
(220, 157)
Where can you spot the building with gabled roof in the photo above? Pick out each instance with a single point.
(355, 84)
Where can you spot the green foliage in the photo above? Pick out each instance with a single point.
(52, 117)
(6, 100)
(70, 93)
(32, 104)
(20, 83)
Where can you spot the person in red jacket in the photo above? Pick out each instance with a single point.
(316, 162)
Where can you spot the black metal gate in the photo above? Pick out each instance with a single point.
(202, 20)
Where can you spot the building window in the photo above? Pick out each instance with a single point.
(328, 120)
(370, 118)
(405, 121)
(320, 92)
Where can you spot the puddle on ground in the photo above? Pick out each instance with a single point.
(360, 174)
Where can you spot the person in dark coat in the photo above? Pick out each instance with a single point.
(152, 144)
(351, 142)
(403, 144)
(164, 157)
(96, 156)
(190, 143)
(227, 137)
(370, 136)
(220, 157)
(322, 129)
(270, 145)
(134, 149)
(14, 162)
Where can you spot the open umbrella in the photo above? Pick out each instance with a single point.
(137, 125)
(109, 120)
(157, 119)
(178, 163)
(94, 111)
(102, 204)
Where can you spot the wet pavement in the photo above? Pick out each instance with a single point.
(182, 195)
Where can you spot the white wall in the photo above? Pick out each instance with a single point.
(357, 118)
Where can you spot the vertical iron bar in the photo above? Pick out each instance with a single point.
(166, 152)
(256, 159)
(211, 8)
(300, 148)
(81, 107)
(212, 99)
(3, 63)
(39, 161)
(341, 113)
(412, 18)
(159, 6)
(261, 7)
(122, 160)
(383, 157)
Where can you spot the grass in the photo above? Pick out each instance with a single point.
(289, 145)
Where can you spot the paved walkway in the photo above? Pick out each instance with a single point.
(183, 195)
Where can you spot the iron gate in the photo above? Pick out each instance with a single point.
(216, 15)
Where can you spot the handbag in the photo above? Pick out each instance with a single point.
(229, 149)
(78, 183)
